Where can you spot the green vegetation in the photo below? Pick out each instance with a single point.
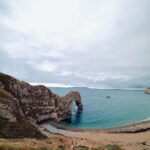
(9, 146)
(22, 129)
(56, 102)
(108, 147)
(113, 147)
(19, 129)
(5, 94)
(48, 141)
(61, 147)
(81, 148)
(43, 148)
(4, 146)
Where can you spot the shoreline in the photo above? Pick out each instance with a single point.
(129, 137)
(137, 127)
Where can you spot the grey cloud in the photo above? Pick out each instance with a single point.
(115, 53)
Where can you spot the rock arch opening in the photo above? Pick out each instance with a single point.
(74, 97)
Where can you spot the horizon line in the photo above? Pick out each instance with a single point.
(61, 85)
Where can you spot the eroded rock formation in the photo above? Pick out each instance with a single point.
(35, 103)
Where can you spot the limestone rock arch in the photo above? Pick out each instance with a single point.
(73, 96)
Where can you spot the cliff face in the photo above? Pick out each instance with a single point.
(147, 91)
(9, 106)
(22, 105)
(13, 123)
(35, 103)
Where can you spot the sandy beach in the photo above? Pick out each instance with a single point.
(69, 140)
(130, 137)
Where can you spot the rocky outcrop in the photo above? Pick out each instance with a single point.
(13, 123)
(22, 105)
(35, 103)
(9, 106)
(147, 91)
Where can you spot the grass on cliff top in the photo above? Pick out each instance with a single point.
(106, 147)
(5, 94)
(9, 146)
(18, 130)
(4, 146)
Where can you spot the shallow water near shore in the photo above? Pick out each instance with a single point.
(107, 108)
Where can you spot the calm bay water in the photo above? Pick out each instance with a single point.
(123, 107)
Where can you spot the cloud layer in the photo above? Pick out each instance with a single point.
(84, 43)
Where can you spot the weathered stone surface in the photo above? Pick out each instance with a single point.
(9, 106)
(35, 103)
(147, 91)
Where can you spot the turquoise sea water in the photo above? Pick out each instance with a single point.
(123, 107)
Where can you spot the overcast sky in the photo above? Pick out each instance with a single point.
(94, 43)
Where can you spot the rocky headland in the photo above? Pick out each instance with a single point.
(22, 106)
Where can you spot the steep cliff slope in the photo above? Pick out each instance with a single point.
(12, 121)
